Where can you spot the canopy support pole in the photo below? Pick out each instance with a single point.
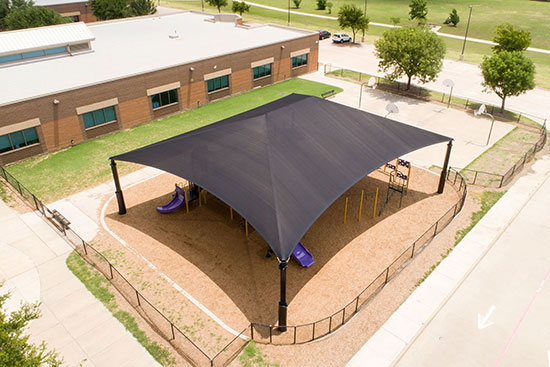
(445, 168)
(283, 306)
(118, 190)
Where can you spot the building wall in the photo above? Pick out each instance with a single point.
(82, 8)
(62, 126)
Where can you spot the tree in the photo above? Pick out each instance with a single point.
(240, 7)
(110, 9)
(217, 3)
(321, 4)
(142, 7)
(454, 18)
(508, 73)
(297, 3)
(16, 351)
(32, 16)
(329, 7)
(4, 10)
(418, 10)
(411, 51)
(509, 38)
(350, 16)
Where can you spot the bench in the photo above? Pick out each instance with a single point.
(60, 219)
(330, 93)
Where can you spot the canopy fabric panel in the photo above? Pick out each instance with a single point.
(281, 165)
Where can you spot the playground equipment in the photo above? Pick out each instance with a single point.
(302, 255)
(398, 181)
(182, 196)
(361, 200)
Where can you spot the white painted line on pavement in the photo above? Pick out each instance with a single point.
(483, 321)
(153, 266)
(527, 309)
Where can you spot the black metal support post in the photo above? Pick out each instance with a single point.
(283, 306)
(445, 168)
(118, 190)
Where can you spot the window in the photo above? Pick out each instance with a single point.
(18, 139)
(74, 18)
(33, 54)
(299, 60)
(218, 83)
(98, 117)
(261, 71)
(164, 98)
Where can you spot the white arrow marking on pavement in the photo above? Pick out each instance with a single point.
(483, 321)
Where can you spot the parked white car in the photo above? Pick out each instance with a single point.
(341, 38)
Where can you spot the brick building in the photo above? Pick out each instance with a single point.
(74, 82)
(78, 11)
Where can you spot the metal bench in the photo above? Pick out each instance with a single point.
(61, 222)
(330, 93)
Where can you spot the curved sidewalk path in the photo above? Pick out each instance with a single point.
(470, 39)
(74, 322)
(486, 303)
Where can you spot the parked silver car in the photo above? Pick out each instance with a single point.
(341, 38)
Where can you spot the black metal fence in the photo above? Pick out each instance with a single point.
(269, 334)
(486, 179)
(297, 334)
(156, 319)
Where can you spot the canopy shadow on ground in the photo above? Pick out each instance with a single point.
(218, 247)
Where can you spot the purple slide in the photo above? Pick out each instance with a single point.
(302, 255)
(177, 202)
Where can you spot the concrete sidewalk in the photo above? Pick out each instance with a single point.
(74, 322)
(409, 322)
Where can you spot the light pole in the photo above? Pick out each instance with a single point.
(449, 83)
(365, 15)
(288, 19)
(466, 34)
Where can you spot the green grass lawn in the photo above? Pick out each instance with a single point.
(486, 15)
(474, 51)
(56, 175)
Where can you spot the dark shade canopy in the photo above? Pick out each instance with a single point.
(282, 164)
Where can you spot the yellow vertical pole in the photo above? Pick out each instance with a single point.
(204, 196)
(375, 203)
(360, 205)
(200, 204)
(246, 227)
(186, 201)
(396, 164)
(408, 177)
(346, 211)
(231, 212)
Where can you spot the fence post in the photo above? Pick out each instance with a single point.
(252, 331)
(313, 335)
(111, 270)
(137, 296)
(356, 303)
(501, 180)
(519, 117)
(270, 334)
(435, 230)
(330, 324)
(294, 334)
(343, 315)
(172, 327)
(387, 273)
(84, 245)
(413, 247)
(475, 178)
(19, 187)
(35, 203)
